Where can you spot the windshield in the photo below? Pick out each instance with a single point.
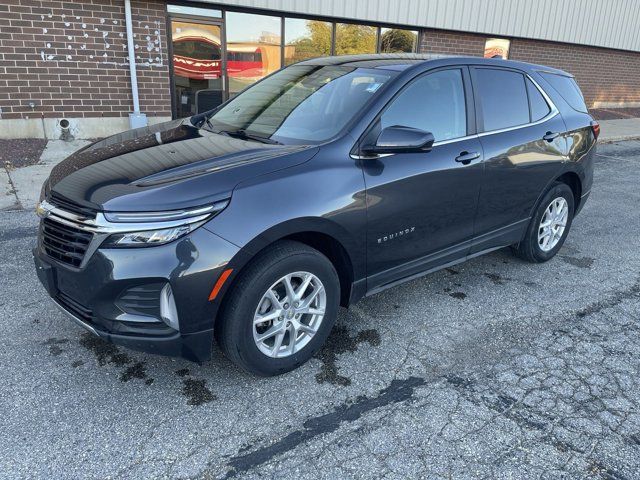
(300, 104)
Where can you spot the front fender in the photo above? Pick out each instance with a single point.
(323, 197)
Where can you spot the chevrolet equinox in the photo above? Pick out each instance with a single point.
(328, 180)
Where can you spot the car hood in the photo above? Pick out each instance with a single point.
(167, 166)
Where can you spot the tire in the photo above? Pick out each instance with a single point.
(249, 297)
(531, 248)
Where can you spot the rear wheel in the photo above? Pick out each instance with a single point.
(281, 309)
(549, 225)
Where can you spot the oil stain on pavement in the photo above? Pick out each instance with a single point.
(398, 391)
(196, 392)
(580, 262)
(54, 345)
(107, 353)
(137, 370)
(340, 341)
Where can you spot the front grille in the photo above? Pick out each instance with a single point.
(66, 244)
(65, 204)
(80, 311)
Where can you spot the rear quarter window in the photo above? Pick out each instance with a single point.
(539, 106)
(568, 89)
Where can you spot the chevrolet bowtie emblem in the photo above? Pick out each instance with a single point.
(43, 209)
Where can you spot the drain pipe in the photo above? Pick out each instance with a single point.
(136, 119)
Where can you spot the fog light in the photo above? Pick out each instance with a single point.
(168, 310)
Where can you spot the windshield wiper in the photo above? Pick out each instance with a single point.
(244, 135)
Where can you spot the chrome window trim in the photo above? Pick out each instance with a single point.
(435, 144)
(553, 111)
(453, 140)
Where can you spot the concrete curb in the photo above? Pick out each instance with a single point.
(620, 138)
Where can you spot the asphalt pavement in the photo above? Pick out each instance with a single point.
(495, 368)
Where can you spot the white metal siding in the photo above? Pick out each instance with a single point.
(604, 23)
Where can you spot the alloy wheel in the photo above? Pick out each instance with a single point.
(552, 224)
(289, 314)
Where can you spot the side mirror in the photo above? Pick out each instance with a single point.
(398, 139)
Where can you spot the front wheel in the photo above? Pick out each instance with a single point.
(281, 309)
(549, 226)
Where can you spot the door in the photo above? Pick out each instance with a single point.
(421, 206)
(197, 65)
(522, 136)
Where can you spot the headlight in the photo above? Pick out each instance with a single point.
(148, 237)
(145, 229)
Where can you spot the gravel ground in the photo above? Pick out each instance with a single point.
(21, 152)
(493, 369)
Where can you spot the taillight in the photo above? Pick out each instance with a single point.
(595, 126)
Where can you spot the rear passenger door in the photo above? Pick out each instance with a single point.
(522, 136)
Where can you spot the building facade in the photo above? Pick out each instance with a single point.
(69, 64)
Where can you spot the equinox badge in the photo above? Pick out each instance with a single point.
(391, 236)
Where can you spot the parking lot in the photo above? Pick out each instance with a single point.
(495, 368)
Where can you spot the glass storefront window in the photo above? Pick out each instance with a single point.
(208, 69)
(304, 39)
(396, 40)
(353, 39)
(253, 48)
(203, 12)
(197, 66)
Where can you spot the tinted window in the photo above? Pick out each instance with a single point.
(539, 106)
(434, 103)
(568, 88)
(301, 103)
(503, 98)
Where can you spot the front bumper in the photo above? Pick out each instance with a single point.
(92, 296)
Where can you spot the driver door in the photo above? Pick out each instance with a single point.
(421, 206)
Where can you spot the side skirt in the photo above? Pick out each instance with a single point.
(381, 288)
(485, 243)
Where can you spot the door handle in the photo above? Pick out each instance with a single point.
(551, 136)
(465, 158)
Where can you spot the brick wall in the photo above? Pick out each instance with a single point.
(70, 59)
(604, 75)
(451, 43)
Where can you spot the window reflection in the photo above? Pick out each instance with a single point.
(396, 40)
(197, 55)
(253, 48)
(354, 39)
(497, 48)
(434, 103)
(306, 39)
(301, 104)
